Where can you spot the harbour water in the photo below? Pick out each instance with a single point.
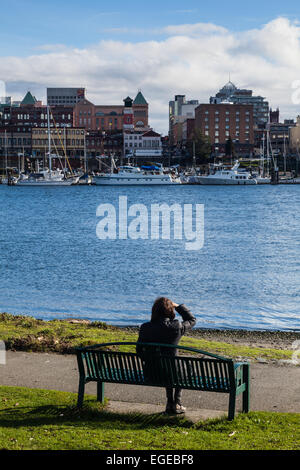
(247, 275)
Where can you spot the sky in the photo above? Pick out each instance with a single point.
(162, 48)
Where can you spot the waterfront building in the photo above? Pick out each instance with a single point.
(142, 144)
(14, 142)
(32, 113)
(294, 138)
(99, 143)
(112, 118)
(98, 117)
(230, 93)
(224, 121)
(274, 116)
(18, 122)
(65, 96)
(140, 112)
(179, 110)
(280, 135)
(64, 141)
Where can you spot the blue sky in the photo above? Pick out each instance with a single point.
(164, 48)
(32, 23)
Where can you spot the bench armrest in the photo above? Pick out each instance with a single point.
(241, 372)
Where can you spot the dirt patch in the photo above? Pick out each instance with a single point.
(32, 343)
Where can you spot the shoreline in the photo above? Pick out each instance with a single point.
(276, 339)
(61, 334)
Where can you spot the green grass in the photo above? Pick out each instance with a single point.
(33, 419)
(30, 334)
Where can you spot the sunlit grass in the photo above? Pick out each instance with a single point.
(49, 420)
(60, 336)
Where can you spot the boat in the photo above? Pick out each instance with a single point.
(47, 176)
(134, 176)
(261, 177)
(233, 176)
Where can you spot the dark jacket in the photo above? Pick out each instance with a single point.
(167, 331)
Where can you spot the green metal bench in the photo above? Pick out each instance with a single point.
(152, 366)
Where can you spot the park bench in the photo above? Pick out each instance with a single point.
(152, 366)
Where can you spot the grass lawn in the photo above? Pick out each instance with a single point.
(29, 334)
(32, 419)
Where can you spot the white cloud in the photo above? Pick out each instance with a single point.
(196, 29)
(190, 59)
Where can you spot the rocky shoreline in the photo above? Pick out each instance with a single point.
(253, 338)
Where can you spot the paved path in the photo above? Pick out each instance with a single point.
(273, 388)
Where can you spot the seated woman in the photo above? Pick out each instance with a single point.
(164, 328)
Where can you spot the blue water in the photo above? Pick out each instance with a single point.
(247, 275)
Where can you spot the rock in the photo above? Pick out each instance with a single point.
(261, 360)
(83, 322)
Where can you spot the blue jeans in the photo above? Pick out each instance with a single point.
(174, 395)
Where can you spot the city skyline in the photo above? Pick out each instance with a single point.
(163, 52)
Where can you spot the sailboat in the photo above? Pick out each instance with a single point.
(261, 178)
(48, 176)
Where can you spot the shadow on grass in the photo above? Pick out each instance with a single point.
(92, 414)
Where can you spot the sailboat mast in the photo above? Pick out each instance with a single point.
(284, 153)
(263, 156)
(85, 156)
(49, 140)
(5, 145)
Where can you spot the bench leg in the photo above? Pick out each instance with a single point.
(100, 392)
(246, 393)
(80, 393)
(231, 409)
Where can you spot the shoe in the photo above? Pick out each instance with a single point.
(179, 409)
(170, 409)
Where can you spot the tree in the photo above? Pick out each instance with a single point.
(229, 148)
(199, 147)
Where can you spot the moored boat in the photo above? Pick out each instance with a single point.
(232, 176)
(135, 176)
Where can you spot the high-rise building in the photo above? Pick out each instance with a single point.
(179, 110)
(230, 93)
(65, 96)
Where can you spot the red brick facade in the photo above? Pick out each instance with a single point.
(219, 122)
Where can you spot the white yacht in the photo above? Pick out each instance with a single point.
(263, 179)
(134, 176)
(228, 176)
(46, 178)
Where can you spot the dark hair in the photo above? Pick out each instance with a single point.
(162, 308)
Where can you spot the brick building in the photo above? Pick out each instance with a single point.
(110, 118)
(219, 122)
(69, 140)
